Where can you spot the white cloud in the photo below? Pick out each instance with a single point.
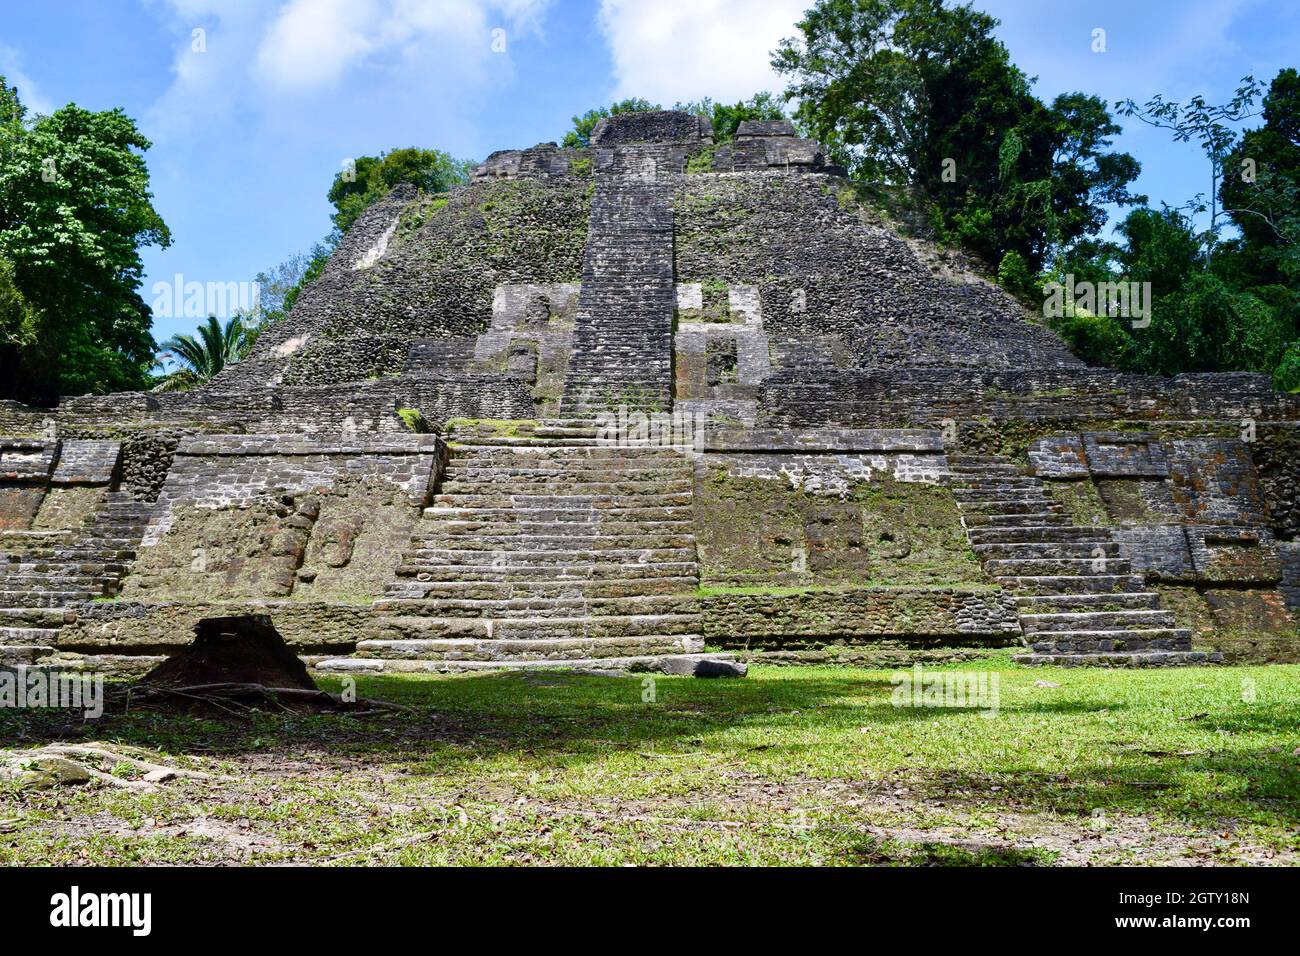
(313, 43)
(29, 94)
(256, 54)
(677, 50)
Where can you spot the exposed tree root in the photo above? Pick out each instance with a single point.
(95, 760)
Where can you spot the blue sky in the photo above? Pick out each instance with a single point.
(249, 130)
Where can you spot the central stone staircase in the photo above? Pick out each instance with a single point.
(622, 344)
(44, 574)
(1079, 600)
(551, 548)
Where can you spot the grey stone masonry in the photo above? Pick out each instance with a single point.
(87, 462)
(768, 144)
(554, 548)
(1079, 600)
(623, 342)
(26, 460)
(220, 470)
(1289, 554)
(45, 576)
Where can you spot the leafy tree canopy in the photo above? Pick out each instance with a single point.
(369, 178)
(585, 125)
(75, 210)
(726, 118)
(199, 358)
(909, 94)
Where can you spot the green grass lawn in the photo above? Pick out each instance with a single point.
(789, 766)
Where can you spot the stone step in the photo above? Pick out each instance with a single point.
(1119, 659)
(994, 534)
(557, 557)
(24, 636)
(540, 607)
(964, 460)
(576, 540)
(1053, 519)
(558, 515)
(547, 649)
(1022, 567)
(21, 655)
(996, 482)
(624, 469)
(644, 663)
(525, 455)
(1006, 508)
(409, 627)
(629, 481)
(1050, 603)
(568, 488)
(1074, 584)
(11, 599)
(75, 555)
(534, 499)
(51, 581)
(502, 590)
(585, 430)
(35, 616)
(1094, 642)
(521, 529)
(987, 500)
(474, 574)
(1128, 620)
(520, 442)
(960, 473)
(1029, 550)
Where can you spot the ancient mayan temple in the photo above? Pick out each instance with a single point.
(654, 398)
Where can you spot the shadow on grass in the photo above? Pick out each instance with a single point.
(872, 851)
(571, 719)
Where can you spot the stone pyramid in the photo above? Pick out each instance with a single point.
(649, 402)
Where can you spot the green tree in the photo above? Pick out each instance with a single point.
(1208, 125)
(19, 322)
(726, 119)
(75, 210)
(1261, 189)
(279, 287)
(585, 125)
(1205, 326)
(199, 359)
(1287, 376)
(911, 93)
(1161, 247)
(370, 178)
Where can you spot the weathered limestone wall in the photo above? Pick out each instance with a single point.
(1192, 516)
(837, 287)
(998, 399)
(137, 632)
(254, 518)
(816, 619)
(52, 484)
(433, 278)
(355, 407)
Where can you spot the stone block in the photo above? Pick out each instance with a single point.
(1124, 455)
(87, 462)
(1059, 456)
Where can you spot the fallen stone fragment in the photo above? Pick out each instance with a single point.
(704, 667)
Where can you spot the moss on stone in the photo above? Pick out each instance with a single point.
(1081, 501)
(763, 532)
(414, 420)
